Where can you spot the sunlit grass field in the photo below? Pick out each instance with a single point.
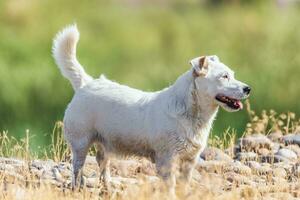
(146, 46)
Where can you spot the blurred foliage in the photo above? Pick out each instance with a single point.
(146, 45)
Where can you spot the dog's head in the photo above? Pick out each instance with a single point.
(217, 81)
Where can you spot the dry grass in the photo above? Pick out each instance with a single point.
(270, 121)
(143, 191)
(205, 185)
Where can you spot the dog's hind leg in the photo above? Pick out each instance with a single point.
(103, 163)
(79, 152)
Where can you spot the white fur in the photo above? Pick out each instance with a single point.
(64, 52)
(167, 125)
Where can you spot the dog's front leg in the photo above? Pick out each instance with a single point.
(165, 169)
(186, 169)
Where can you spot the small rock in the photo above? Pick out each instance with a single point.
(275, 136)
(88, 172)
(263, 151)
(91, 182)
(238, 179)
(287, 153)
(37, 173)
(48, 175)
(127, 168)
(6, 167)
(280, 180)
(212, 153)
(41, 164)
(246, 156)
(287, 166)
(90, 160)
(64, 169)
(266, 164)
(253, 165)
(255, 141)
(279, 172)
(275, 148)
(200, 160)
(65, 173)
(237, 167)
(264, 170)
(64, 166)
(279, 158)
(295, 148)
(11, 161)
(259, 179)
(211, 166)
(57, 175)
(273, 159)
(257, 168)
(152, 179)
(292, 139)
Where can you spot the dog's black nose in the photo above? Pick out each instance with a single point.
(246, 89)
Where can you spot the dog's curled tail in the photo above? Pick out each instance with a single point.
(64, 53)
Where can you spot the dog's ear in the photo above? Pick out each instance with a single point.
(200, 66)
(214, 58)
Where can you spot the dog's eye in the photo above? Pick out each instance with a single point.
(225, 76)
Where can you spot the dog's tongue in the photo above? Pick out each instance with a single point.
(238, 104)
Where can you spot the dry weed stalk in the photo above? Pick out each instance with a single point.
(271, 121)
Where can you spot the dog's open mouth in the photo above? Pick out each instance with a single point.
(230, 102)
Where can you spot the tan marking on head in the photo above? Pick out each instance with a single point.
(200, 66)
(203, 62)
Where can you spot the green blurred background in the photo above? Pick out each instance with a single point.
(146, 45)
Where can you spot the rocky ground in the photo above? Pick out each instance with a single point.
(257, 167)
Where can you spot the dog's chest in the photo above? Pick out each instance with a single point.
(194, 145)
(195, 136)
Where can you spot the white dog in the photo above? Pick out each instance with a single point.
(167, 125)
